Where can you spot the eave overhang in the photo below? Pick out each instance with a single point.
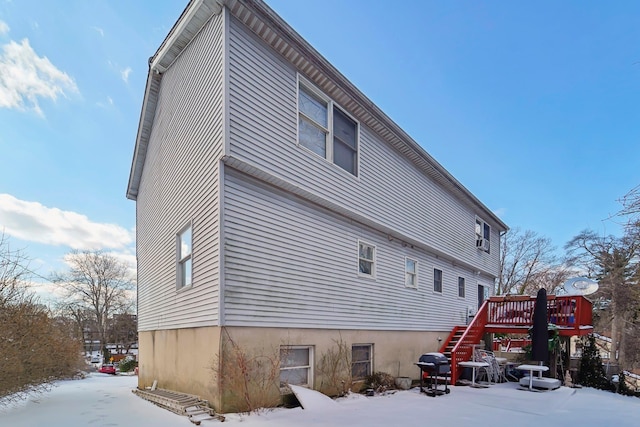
(193, 18)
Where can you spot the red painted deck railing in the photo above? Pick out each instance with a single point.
(511, 314)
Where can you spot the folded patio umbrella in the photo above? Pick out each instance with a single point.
(539, 333)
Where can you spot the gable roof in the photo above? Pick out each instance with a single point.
(275, 32)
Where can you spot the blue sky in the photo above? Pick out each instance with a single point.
(533, 106)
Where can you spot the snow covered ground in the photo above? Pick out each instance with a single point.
(106, 400)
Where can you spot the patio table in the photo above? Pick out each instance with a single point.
(474, 366)
(533, 368)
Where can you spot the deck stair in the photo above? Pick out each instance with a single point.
(452, 340)
(188, 405)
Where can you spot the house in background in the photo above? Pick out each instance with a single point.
(278, 208)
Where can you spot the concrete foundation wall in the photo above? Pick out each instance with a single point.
(182, 360)
(394, 352)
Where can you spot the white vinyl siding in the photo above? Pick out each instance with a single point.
(263, 130)
(290, 264)
(179, 184)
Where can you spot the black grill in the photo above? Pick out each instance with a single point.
(432, 366)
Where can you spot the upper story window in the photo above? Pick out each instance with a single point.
(326, 129)
(483, 235)
(366, 259)
(411, 273)
(184, 258)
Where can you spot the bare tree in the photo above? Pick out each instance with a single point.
(529, 262)
(631, 204)
(613, 262)
(123, 331)
(79, 316)
(28, 334)
(14, 273)
(631, 213)
(98, 282)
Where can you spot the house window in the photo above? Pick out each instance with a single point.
(461, 287)
(437, 280)
(327, 130)
(411, 273)
(184, 258)
(295, 366)
(361, 361)
(483, 235)
(366, 259)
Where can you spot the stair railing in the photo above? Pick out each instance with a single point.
(463, 349)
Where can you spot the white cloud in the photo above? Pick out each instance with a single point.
(99, 31)
(125, 74)
(26, 77)
(500, 212)
(31, 221)
(107, 104)
(48, 292)
(4, 28)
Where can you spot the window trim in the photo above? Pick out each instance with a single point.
(373, 261)
(435, 282)
(309, 367)
(329, 131)
(182, 260)
(369, 361)
(415, 273)
(464, 287)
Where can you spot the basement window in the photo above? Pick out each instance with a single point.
(361, 361)
(296, 365)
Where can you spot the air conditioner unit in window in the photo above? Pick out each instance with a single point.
(482, 244)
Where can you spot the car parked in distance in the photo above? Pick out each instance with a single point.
(108, 369)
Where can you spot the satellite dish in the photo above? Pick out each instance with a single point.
(580, 286)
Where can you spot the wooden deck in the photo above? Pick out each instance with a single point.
(572, 315)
